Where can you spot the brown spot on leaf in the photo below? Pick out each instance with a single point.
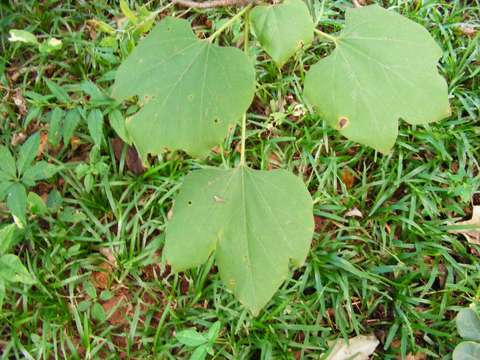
(342, 122)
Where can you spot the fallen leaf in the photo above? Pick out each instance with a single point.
(468, 30)
(347, 178)
(132, 159)
(472, 234)
(101, 278)
(20, 102)
(18, 138)
(43, 144)
(354, 213)
(358, 348)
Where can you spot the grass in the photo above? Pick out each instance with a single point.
(397, 272)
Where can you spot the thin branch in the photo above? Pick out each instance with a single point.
(212, 3)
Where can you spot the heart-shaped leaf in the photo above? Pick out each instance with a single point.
(282, 29)
(383, 69)
(255, 221)
(191, 91)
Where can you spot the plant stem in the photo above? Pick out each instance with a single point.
(229, 23)
(326, 36)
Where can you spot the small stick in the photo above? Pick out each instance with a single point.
(356, 4)
(211, 4)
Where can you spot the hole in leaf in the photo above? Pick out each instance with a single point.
(189, 203)
(342, 122)
(215, 120)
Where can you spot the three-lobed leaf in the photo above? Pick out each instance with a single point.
(254, 221)
(383, 68)
(282, 29)
(191, 91)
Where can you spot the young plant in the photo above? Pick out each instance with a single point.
(191, 92)
(468, 326)
(17, 175)
(11, 268)
(202, 343)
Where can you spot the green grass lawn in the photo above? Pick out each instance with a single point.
(102, 291)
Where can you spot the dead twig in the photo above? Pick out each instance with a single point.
(356, 3)
(212, 3)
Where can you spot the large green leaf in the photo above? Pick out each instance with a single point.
(282, 29)
(255, 221)
(383, 69)
(191, 91)
(468, 324)
(467, 350)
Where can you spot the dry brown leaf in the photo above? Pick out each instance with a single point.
(354, 213)
(20, 102)
(43, 144)
(101, 278)
(468, 30)
(132, 159)
(18, 138)
(347, 178)
(471, 228)
(417, 356)
(358, 348)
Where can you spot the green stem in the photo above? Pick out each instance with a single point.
(326, 36)
(229, 23)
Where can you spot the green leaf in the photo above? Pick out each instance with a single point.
(36, 204)
(200, 353)
(7, 237)
(28, 151)
(191, 91)
(384, 68)
(90, 289)
(70, 123)
(7, 162)
(467, 350)
(22, 36)
(98, 312)
(56, 117)
(282, 29)
(39, 171)
(2, 293)
(12, 270)
(468, 324)
(50, 45)
(17, 203)
(254, 220)
(129, 14)
(117, 122)
(190, 337)
(59, 92)
(4, 188)
(213, 331)
(95, 126)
